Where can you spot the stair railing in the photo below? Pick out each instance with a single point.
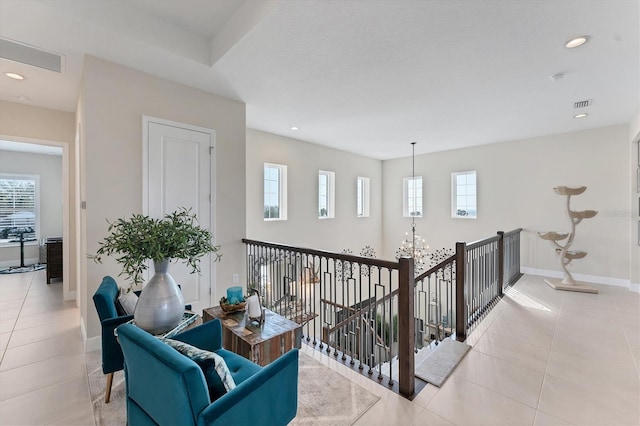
(369, 311)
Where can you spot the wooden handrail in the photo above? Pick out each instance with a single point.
(510, 233)
(434, 269)
(370, 261)
(481, 243)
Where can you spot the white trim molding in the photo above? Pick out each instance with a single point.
(595, 279)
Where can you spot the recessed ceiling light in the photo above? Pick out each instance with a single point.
(294, 128)
(23, 98)
(581, 115)
(576, 41)
(14, 75)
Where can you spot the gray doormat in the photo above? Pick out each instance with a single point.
(441, 362)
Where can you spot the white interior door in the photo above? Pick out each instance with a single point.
(179, 173)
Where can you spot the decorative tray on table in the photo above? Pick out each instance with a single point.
(187, 318)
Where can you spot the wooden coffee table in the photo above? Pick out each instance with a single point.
(260, 344)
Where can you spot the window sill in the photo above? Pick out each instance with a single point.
(4, 243)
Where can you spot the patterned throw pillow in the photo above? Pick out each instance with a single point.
(216, 372)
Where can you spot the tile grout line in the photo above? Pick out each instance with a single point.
(17, 318)
(546, 368)
(626, 338)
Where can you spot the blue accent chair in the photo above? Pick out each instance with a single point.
(165, 387)
(105, 300)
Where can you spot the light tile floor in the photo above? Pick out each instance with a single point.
(43, 379)
(541, 357)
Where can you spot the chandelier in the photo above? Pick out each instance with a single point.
(414, 245)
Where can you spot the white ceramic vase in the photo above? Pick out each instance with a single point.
(160, 306)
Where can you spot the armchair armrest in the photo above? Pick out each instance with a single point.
(207, 336)
(112, 359)
(113, 323)
(271, 394)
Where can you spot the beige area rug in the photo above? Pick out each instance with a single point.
(328, 398)
(325, 397)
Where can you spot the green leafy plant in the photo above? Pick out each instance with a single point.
(135, 240)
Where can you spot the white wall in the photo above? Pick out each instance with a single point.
(634, 217)
(49, 169)
(25, 123)
(303, 227)
(112, 101)
(515, 189)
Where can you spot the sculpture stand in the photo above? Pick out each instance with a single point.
(579, 287)
(566, 255)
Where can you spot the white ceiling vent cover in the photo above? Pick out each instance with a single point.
(582, 104)
(30, 55)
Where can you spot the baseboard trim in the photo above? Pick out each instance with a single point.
(91, 344)
(595, 279)
(69, 296)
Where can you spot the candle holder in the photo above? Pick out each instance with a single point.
(254, 308)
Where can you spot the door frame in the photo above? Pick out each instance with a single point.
(67, 294)
(146, 120)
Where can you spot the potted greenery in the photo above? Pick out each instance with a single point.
(140, 238)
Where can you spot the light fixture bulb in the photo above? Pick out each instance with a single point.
(580, 115)
(294, 128)
(576, 41)
(14, 76)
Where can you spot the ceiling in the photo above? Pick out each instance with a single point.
(365, 76)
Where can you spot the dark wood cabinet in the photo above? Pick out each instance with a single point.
(54, 258)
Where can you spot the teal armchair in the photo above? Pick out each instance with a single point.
(105, 301)
(165, 387)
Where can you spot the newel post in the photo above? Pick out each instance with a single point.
(461, 305)
(406, 327)
(500, 263)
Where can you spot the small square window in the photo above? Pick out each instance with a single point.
(463, 195)
(275, 192)
(412, 204)
(362, 196)
(326, 194)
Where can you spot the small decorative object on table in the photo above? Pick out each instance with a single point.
(234, 294)
(232, 307)
(254, 307)
(188, 318)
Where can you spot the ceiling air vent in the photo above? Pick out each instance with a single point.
(582, 104)
(30, 55)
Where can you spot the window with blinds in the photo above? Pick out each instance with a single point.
(18, 207)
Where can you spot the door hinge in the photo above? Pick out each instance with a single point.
(210, 150)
